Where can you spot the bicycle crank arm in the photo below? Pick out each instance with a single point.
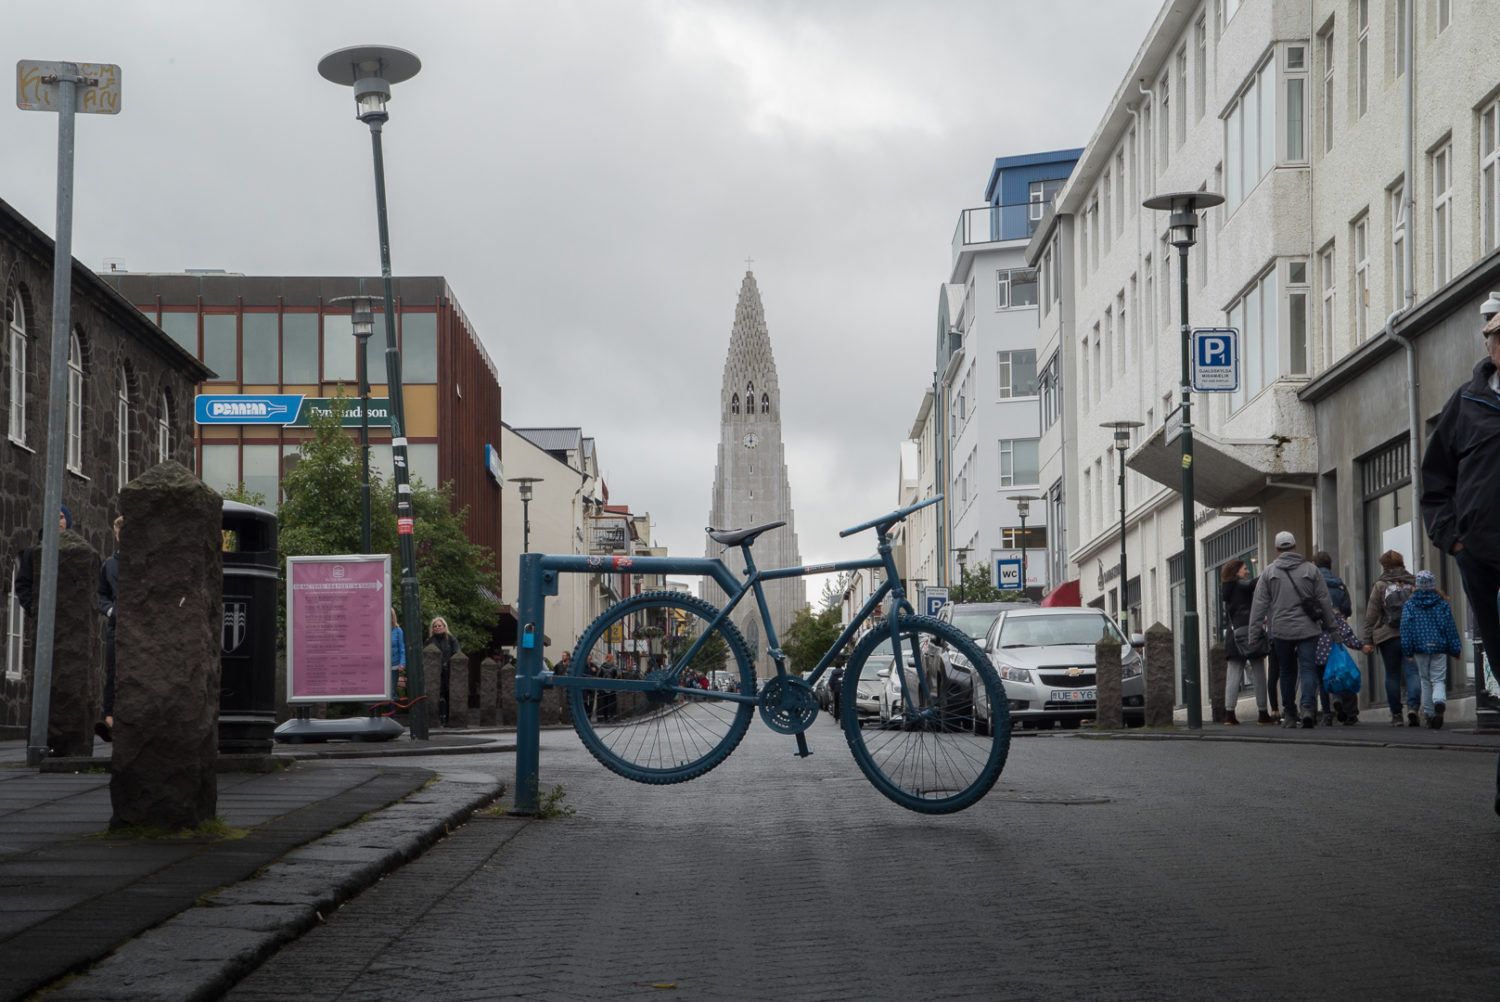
(802, 750)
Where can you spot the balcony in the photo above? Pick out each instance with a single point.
(990, 224)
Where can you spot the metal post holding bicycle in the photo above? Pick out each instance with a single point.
(530, 612)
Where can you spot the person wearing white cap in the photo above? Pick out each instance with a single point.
(1460, 484)
(1291, 603)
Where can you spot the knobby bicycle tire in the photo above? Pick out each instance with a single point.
(930, 757)
(646, 732)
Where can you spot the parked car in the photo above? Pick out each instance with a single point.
(1045, 659)
(950, 685)
(974, 618)
(871, 680)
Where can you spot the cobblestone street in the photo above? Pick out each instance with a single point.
(1098, 868)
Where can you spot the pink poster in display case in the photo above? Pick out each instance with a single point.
(338, 624)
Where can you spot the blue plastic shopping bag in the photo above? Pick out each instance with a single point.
(1341, 674)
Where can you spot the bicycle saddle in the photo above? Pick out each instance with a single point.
(738, 537)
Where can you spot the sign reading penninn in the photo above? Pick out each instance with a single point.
(293, 409)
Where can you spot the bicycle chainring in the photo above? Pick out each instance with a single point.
(787, 705)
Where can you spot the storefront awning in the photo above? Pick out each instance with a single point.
(1227, 472)
(1066, 594)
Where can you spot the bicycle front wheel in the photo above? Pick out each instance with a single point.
(662, 728)
(929, 757)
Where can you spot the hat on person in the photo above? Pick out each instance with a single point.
(1426, 580)
(67, 516)
(1489, 312)
(1286, 541)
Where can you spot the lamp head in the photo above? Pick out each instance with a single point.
(1184, 206)
(370, 70)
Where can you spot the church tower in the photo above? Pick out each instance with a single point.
(750, 482)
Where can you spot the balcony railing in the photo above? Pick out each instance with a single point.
(991, 223)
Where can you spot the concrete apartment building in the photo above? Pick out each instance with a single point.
(983, 414)
(1352, 253)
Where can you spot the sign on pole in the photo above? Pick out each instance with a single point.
(98, 90)
(933, 599)
(338, 628)
(1008, 573)
(1216, 359)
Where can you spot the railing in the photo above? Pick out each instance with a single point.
(991, 223)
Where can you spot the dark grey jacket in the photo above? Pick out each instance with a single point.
(1461, 471)
(1278, 599)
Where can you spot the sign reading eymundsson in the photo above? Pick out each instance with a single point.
(282, 409)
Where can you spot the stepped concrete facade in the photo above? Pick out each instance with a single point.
(750, 480)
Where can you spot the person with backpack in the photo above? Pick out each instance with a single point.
(1383, 632)
(1429, 637)
(1338, 596)
(1291, 603)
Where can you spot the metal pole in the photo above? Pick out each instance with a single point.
(405, 520)
(1191, 673)
(364, 444)
(525, 525)
(530, 610)
(1023, 553)
(1124, 575)
(57, 388)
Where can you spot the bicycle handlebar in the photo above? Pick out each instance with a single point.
(892, 518)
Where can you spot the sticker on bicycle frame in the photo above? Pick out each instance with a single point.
(596, 561)
(622, 561)
(817, 568)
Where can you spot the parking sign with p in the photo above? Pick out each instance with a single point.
(1216, 359)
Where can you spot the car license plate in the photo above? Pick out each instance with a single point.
(1074, 695)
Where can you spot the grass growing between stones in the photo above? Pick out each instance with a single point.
(214, 829)
(548, 805)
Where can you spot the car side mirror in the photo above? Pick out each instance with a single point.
(1137, 640)
(884, 673)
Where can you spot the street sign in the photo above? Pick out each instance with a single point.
(1008, 573)
(292, 409)
(1172, 427)
(933, 599)
(1216, 359)
(98, 86)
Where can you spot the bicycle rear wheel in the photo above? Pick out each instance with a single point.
(661, 729)
(930, 757)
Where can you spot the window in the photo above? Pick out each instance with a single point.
(1327, 281)
(182, 328)
(1255, 316)
(1040, 194)
(122, 430)
(258, 332)
(1398, 246)
(1489, 175)
(419, 348)
(1325, 42)
(1083, 368)
(1098, 366)
(734, 404)
(1361, 233)
(1296, 318)
(1362, 58)
(220, 347)
(261, 464)
(1165, 132)
(299, 348)
(1182, 103)
(220, 468)
(1094, 233)
(1444, 14)
(1109, 367)
(765, 403)
(338, 348)
(1250, 136)
(1227, 9)
(75, 404)
(1401, 37)
(163, 429)
(1200, 66)
(1122, 333)
(16, 323)
(1015, 287)
(1018, 462)
(1049, 385)
(1104, 201)
(1295, 104)
(1017, 373)
(15, 636)
(1049, 289)
(1119, 192)
(1442, 215)
(1149, 299)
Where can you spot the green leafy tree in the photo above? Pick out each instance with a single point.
(809, 637)
(833, 590)
(710, 657)
(976, 587)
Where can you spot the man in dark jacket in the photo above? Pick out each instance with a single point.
(26, 571)
(1460, 482)
(109, 594)
(1282, 597)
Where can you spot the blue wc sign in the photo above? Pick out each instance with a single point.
(1215, 353)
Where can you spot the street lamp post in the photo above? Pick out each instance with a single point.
(962, 553)
(524, 484)
(370, 70)
(1122, 430)
(362, 320)
(1023, 508)
(1183, 226)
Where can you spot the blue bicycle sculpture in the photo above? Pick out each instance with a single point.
(653, 724)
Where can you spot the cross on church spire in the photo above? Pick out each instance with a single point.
(748, 262)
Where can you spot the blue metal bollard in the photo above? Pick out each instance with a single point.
(531, 610)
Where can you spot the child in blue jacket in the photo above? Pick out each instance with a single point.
(1429, 636)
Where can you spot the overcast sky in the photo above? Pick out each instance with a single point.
(590, 177)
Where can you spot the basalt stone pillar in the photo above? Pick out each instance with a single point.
(1161, 695)
(1218, 669)
(1110, 712)
(506, 698)
(488, 671)
(77, 672)
(167, 639)
(458, 691)
(432, 673)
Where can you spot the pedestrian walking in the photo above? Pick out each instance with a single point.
(109, 595)
(564, 663)
(1238, 595)
(24, 583)
(1429, 637)
(1382, 632)
(1291, 603)
(836, 688)
(1345, 703)
(1460, 482)
(447, 645)
(398, 656)
(1338, 597)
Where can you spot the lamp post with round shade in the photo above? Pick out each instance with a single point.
(362, 322)
(1023, 508)
(1182, 228)
(962, 553)
(1122, 430)
(370, 70)
(523, 486)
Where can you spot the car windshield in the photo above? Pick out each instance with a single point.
(1046, 631)
(974, 622)
(874, 666)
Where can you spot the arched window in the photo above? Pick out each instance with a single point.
(15, 316)
(122, 430)
(75, 403)
(15, 637)
(765, 403)
(749, 389)
(734, 403)
(164, 430)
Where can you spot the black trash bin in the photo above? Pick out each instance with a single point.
(247, 694)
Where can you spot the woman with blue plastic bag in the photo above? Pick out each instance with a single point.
(1429, 636)
(1343, 682)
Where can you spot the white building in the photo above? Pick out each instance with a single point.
(1296, 111)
